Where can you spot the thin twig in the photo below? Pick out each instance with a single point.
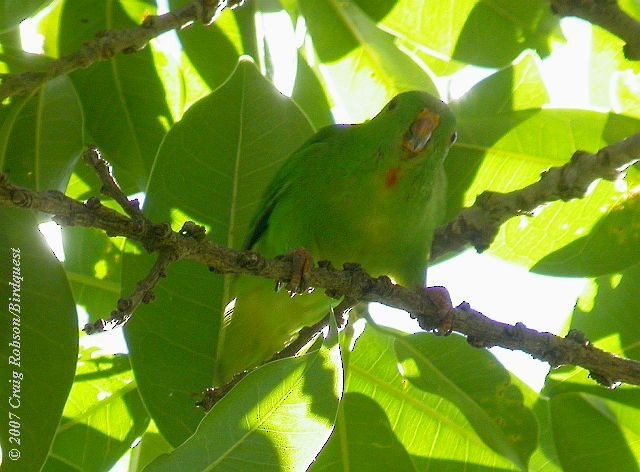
(142, 294)
(110, 187)
(108, 44)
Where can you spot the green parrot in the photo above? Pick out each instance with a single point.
(370, 193)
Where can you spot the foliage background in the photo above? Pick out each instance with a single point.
(201, 132)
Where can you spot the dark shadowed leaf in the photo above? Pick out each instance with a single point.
(12, 12)
(428, 427)
(39, 339)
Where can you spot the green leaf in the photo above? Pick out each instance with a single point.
(545, 458)
(516, 88)
(124, 99)
(477, 384)
(606, 62)
(361, 65)
(611, 246)
(41, 136)
(310, 96)
(12, 12)
(368, 441)
(481, 32)
(93, 260)
(430, 60)
(277, 418)
(93, 264)
(627, 86)
(212, 168)
(39, 339)
(588, 435)
(151, 445)
(102, 418)
(209, 53)
(430, 428)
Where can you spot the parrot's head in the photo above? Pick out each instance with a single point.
(422, 124)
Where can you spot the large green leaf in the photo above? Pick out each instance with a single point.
(277, 418)
(102, 418)
(41, 136)
(477, 384)
(414, 425)
(363, 423)
(127, 114)
(38, 339)
(482, 32)
(213, 168)
(361, 65)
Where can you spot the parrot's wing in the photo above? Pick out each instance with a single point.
(316, 147)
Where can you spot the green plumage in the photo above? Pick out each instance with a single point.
(371, 193)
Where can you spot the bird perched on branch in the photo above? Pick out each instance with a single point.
(371, 193)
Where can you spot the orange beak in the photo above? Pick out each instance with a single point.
(416, 139)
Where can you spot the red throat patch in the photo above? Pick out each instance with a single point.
(391, 179)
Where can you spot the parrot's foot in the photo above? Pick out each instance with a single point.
(301, 264)
(440, 297)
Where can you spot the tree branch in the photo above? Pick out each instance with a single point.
(143, 293)
(479, 224)
(352, 283)
(108, 44)
(608, 15)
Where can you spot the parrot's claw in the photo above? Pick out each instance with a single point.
(440, 297)
(301, 264)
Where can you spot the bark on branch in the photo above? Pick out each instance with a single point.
(351, 282)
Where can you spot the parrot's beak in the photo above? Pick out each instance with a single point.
(416, 139)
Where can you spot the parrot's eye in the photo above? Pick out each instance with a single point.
(392, 105)
(454, 137)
